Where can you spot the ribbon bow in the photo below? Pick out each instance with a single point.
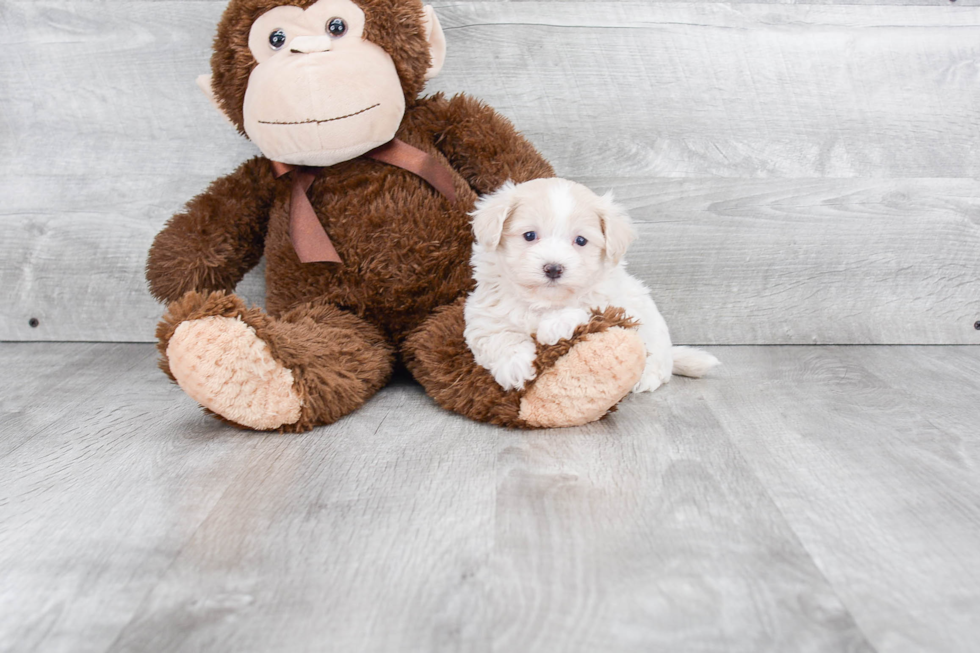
(309, 238)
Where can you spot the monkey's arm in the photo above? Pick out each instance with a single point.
(483, 146)
(217, 238)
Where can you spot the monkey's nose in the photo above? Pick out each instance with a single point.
(553, 270)
(310, 44)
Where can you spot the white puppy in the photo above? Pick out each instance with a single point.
(548, 251)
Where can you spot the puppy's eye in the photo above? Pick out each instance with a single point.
(277, 39)
(337, 27)
(529, 236)
(580, 241)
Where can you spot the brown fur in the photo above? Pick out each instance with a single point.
(219, 236)
(437, 356)
(338, 361)
(406, 249)
(599, 322)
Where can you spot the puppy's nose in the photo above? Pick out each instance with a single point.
(553, 270)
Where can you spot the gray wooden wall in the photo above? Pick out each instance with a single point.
(801, 173)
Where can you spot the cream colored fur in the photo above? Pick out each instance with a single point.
(516, 302)
(583, 384)
(223, 365)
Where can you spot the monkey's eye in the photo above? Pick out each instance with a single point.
(580, 241)
(337, 27)
(529, 236)
(277, 39)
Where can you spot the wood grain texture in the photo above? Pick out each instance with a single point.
(799, 499)
(728, 261)
(103, 136)
(373, 536)
(647, 532)
(693, 90)
(134, 523)
(872, 455)
(820, 261)
(90, 514)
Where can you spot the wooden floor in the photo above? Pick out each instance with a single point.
(802, 499)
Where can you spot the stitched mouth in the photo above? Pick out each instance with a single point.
(308, 122)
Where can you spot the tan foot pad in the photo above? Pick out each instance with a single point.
(587, 381)
(223, 365)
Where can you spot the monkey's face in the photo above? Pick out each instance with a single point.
(321, 93)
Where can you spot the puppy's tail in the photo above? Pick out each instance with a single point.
(692, 362)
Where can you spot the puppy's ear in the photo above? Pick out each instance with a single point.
(616, 227)
(490, 213)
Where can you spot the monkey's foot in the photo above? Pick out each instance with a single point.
(307, 367)
(221, 363)
(597, 371)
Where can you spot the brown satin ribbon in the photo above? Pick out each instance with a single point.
(309, 238)
(400, 154)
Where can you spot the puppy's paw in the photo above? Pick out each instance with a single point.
(516, 369)
(560, 325)
(656, 373)
(648, 383)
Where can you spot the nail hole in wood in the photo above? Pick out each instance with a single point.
(34, 322)
(976, 325)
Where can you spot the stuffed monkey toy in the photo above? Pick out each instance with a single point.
(359, 203)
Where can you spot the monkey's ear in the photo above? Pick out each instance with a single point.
(436, 39)
(204, 83)
(490, 213)
(616, 227)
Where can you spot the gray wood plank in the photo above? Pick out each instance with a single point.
(112, 475)
(389, 513)
(102, 130)
(802, 498)
(872, 455)
(820, 261)
(729, 262)
(135, 523)
(648, 532)
(70, 371)
(692, 90)
(664, 89)
(370, 537)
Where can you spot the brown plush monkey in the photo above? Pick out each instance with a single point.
(368, 250)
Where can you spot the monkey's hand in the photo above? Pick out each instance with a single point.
(483, 146)
(217, 239)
